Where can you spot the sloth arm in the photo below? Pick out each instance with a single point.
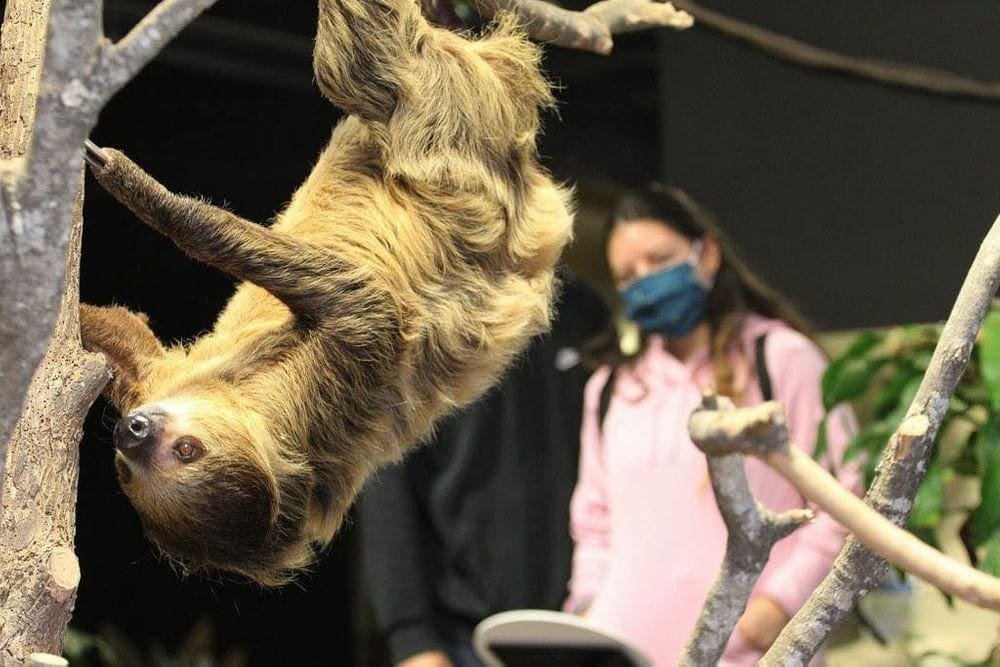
(312, 281)
(128, 342)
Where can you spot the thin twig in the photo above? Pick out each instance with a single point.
(885, 538)
(904, 75)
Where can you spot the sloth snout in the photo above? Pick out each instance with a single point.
(135, 435)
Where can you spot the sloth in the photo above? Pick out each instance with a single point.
(405, 274)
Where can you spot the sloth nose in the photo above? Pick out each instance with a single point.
(133, 434)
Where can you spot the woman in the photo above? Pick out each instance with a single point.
(648, 535)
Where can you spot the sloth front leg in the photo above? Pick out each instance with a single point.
(300, 274)
(129, 344)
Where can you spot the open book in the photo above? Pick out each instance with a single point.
(540, 638)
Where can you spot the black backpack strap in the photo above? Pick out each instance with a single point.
(605, 402)
(762, 375)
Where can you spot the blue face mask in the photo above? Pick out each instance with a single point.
(671, 301)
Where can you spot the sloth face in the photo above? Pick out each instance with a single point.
(202, 478)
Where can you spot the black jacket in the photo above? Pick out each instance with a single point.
(477, 521)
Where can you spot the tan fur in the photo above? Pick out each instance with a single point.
(407, 271)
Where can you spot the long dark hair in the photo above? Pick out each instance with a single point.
(735, 292)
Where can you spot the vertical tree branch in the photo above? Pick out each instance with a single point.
(902, 467)
(21, 47)
(40, 569)
(81, 71)
(39, 188)
(21, 44)
(40, 229)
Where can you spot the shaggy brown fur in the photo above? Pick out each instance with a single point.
(406, 273)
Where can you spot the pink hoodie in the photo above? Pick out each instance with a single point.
(649, 537)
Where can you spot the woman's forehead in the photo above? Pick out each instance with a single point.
(644, 234)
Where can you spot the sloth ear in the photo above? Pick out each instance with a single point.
(129, 344)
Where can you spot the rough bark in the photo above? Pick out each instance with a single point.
(902, 467)
(752, 531)
(49, 108)
(21, 45)
(81, 72)
(21, 48)
(40, 569)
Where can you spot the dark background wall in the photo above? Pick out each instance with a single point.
(864, 203)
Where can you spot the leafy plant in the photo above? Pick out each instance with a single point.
(112, 648)
(880, 373)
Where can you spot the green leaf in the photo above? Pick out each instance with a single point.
(76, 644)
(990, 561)
(888, 396)
(989, 355)
(874, 437)
(847, 376)
(850, 381)
(894, 418)
(871, 440)
(863, 344)
(922, 359)
(968, 462)
(926, 512)
(985, 520)
(973, 393)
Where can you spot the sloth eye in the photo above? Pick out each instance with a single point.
(187, 450)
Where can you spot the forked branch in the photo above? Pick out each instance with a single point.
(80, 74)
(132, 52)
(752, 531)
(760, 431)
(592, 29)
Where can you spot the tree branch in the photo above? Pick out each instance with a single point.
(752, 531)
(899, 74)
(40, 223)
(591, 29)
(80, 73)
(899, 547)
(125, 59)
(41, 572)
(760, 431)
(903, 464)
(25, 280)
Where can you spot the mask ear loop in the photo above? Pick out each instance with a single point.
(697, 246)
